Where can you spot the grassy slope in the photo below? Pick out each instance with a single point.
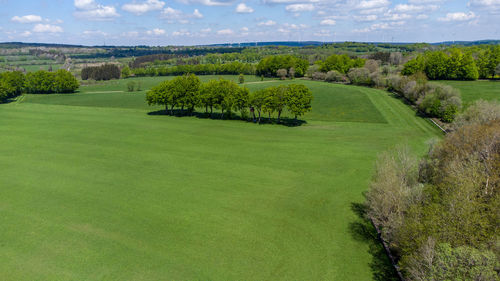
(474, 90)
(112, 193)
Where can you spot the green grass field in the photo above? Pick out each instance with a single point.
(474, 90)
(94, 188)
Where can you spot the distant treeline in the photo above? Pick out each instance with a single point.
(145, 51)
(269, 66)
(198, 69)
(103, 72)
(456, 64)
(13, 83)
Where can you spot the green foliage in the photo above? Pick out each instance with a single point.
(44, 82)
(126, 72)
(241, 78)
(131, 86)
(65, 82)
(299, 99)
(270, 65)
(198, 69)
(457, 209)
(11, 84)
(440, 65)
(360, 76)
(341, 63)
(103, 72)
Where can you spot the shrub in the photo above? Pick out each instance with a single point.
(334, 76)
(320, 76)
(281, 73)
(131, 86)
(360, 76)
(481, 112)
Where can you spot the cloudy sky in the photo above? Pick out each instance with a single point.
(191, 22)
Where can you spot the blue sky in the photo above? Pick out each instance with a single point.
(191, 22)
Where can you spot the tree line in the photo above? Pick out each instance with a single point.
(456, 64)
(14, 83)
(294, 66)
(188, 93)
(232, 68)
(102, 72)
(440, 215)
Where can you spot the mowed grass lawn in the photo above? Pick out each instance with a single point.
(475, 90)
(94, 188)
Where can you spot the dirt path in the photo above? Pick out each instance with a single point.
(103, 92)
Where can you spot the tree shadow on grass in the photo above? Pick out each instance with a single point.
(362, 230)
(284, 121)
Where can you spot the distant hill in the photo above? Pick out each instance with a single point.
(246, 44)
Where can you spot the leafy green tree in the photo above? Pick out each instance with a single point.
(341, 63)
(413, 66)
(126, 72)
(6, 90)
(40, 82)
(188, 87)
(299, 99)
(241, 79)
(436, 65)
(279, 99)
(15, 80)
(162, 94)
(65, 82)
(131, 86)
(258, 101)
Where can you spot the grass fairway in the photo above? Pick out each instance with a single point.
(94, 188)
(474, 90)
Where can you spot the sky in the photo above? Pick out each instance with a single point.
(198, 22)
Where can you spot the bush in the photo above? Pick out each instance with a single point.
(320, 76)
(481, 112)
(360, 76)
(335, 76)
(103, 72)
(131, 86)
(44, 82)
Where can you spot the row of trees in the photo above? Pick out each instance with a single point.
(232, 68)
(269, 66)
(455, 64)
(432, 99)
(11, 84)
(103, 72)
(14, 83)
(187, 92)
(341, 63)
(440, 215)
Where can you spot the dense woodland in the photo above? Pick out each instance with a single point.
(440, 214)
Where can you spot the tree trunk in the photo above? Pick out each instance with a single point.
(279, 114)
(172, 110)
(259, 117)
(166, 109)
(182, 110)
(211, 110)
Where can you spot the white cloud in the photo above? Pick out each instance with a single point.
(405, 8)
(172, 15)
(299, 8)
(90, 10)
(490, 6)
(206, 30)
(371, 4)
(419, 2)
(459, 16)
(197, 14)
(26, 34)
(208, 2)
(143, 7)
(322, 33)
(366, 18)
(130, 34)
(181, 32)
(27, 19)
(156, 31)
(94, 33)
(267, 23)
(244, 29)
(47, 28)
(396, 17)
(328, 22)
(242, 8)
(373, 11)
(422, 17)
(225, 32)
